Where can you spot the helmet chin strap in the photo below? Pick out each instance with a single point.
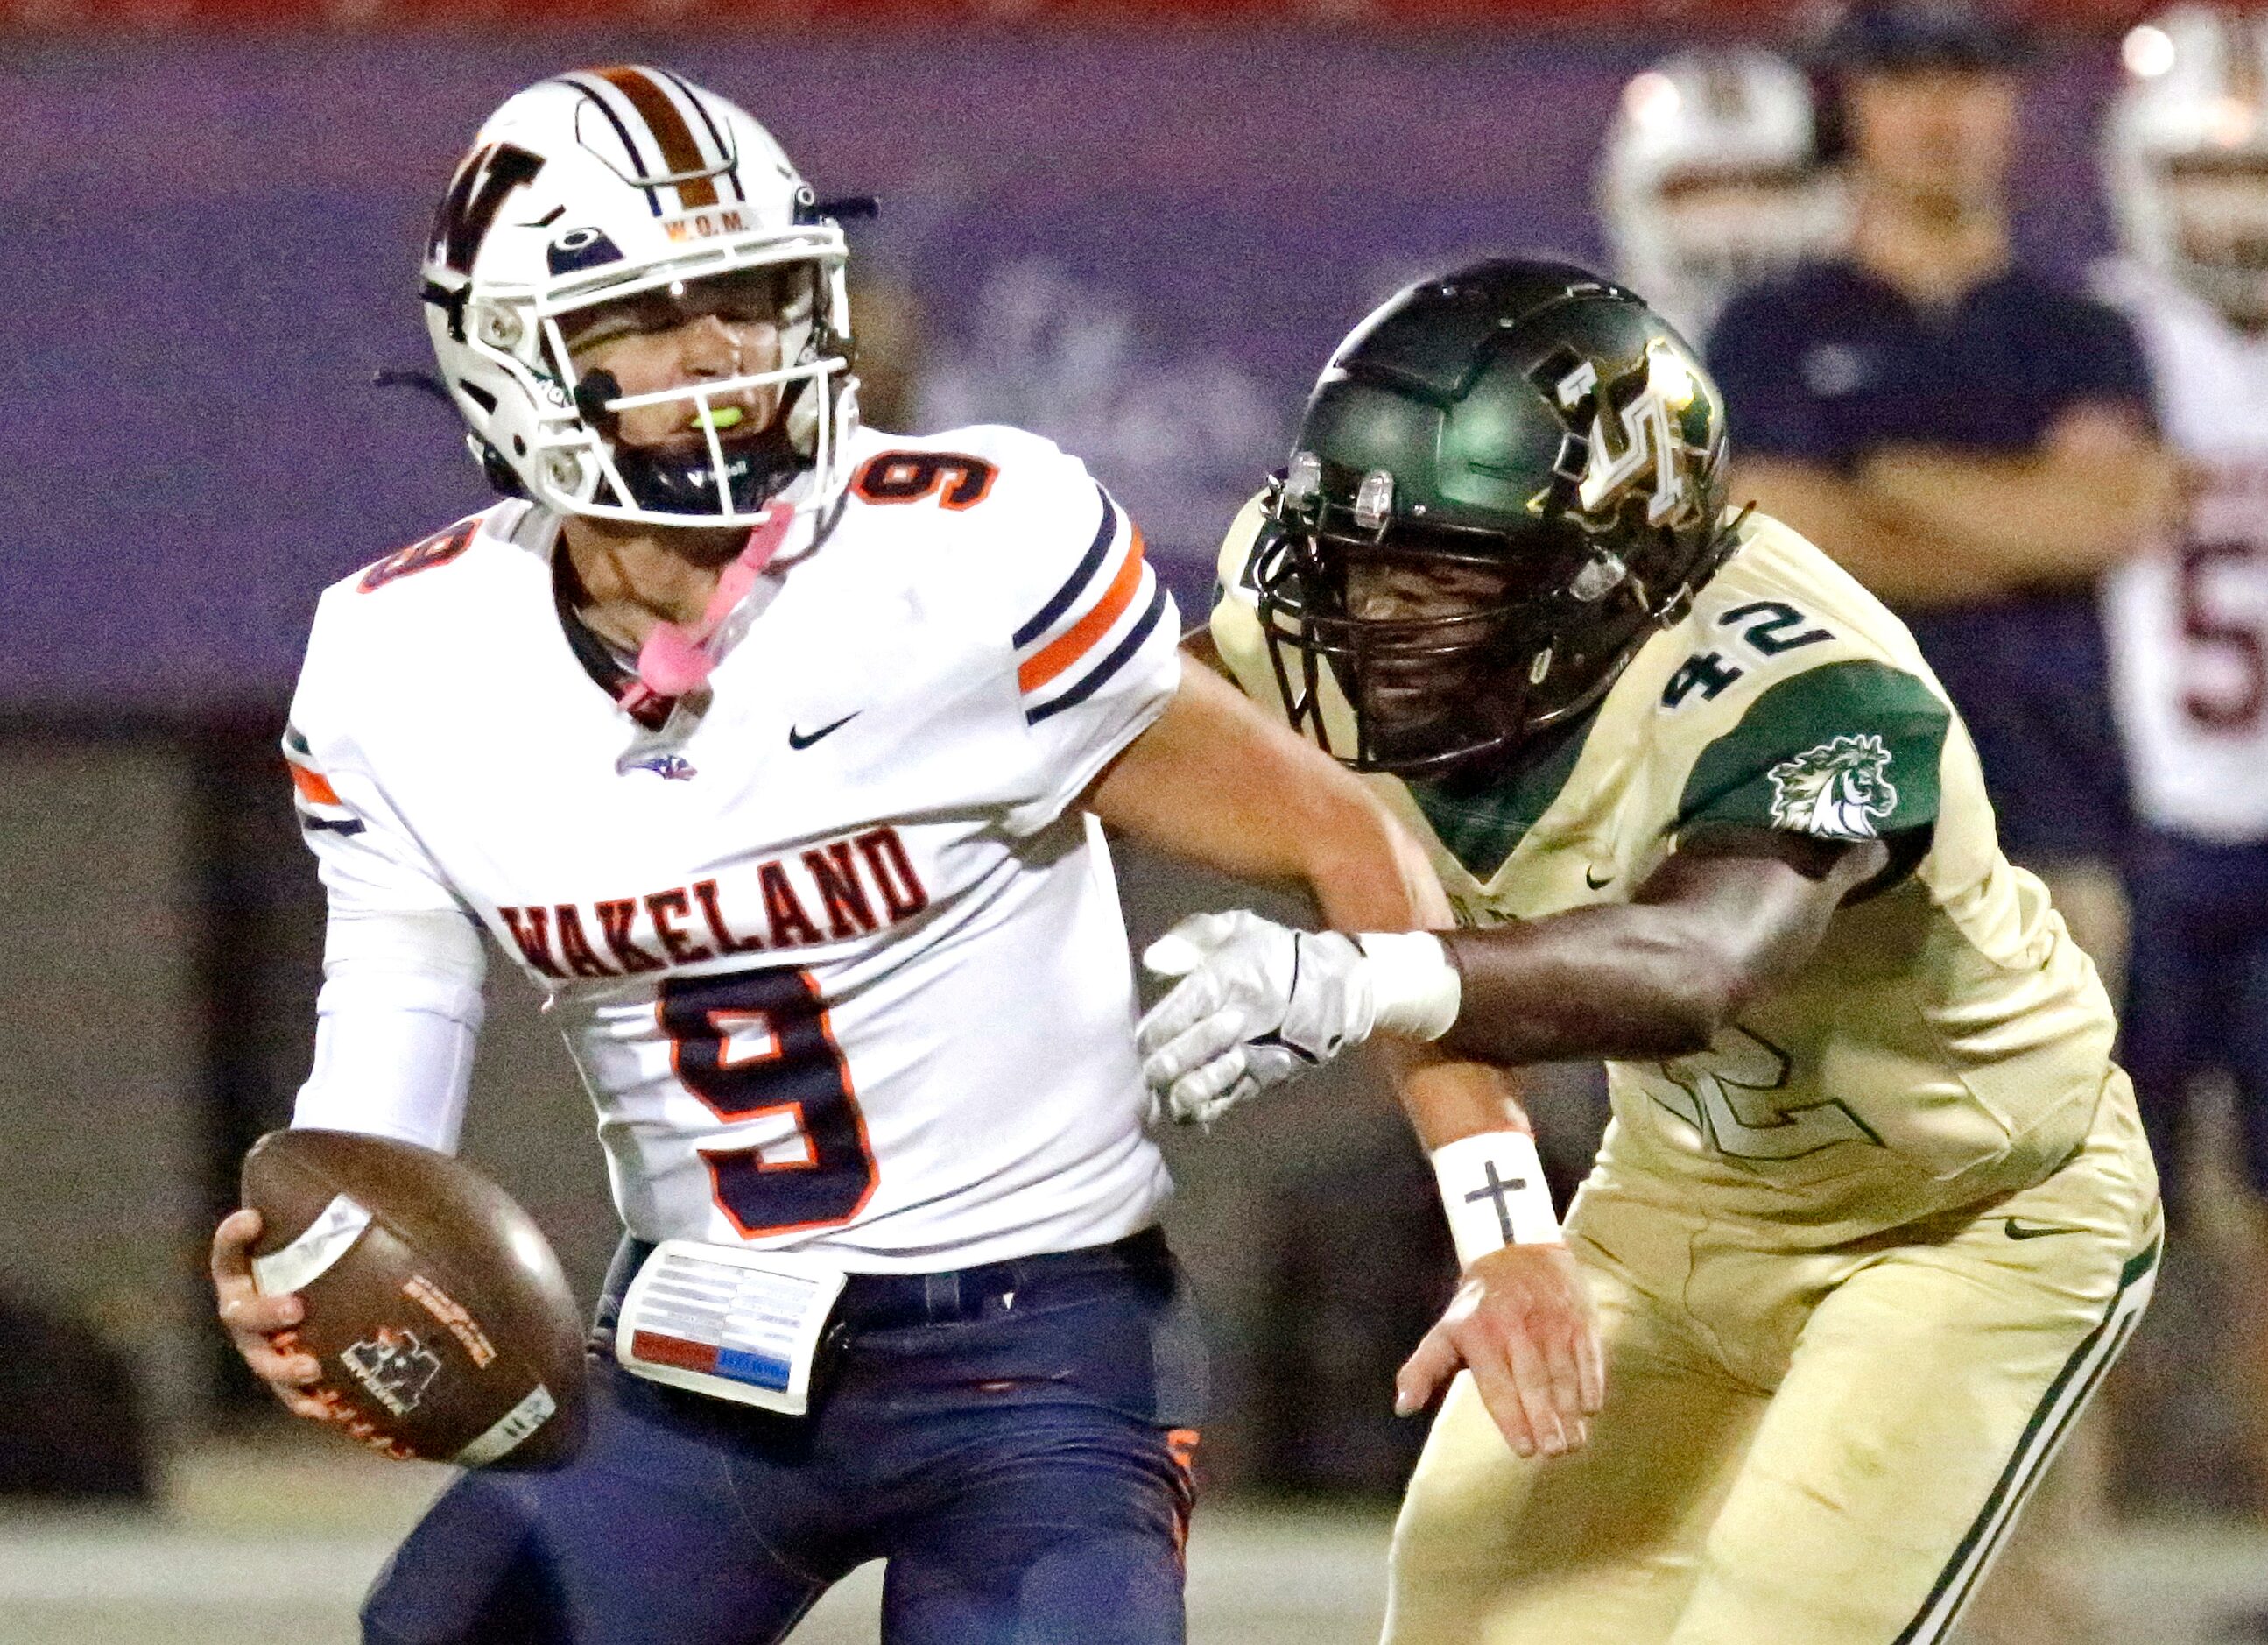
(677, 658)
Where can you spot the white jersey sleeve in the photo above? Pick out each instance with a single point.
(371, 860)
(401, 1007)
(1092, 631)
(396, 1025)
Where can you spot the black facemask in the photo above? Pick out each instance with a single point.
(756, 469)
(1437, 693)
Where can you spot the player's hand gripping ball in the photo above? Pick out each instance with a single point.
(435, 1308)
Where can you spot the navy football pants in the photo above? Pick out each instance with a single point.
(1008, 1439)
(2197, 1001)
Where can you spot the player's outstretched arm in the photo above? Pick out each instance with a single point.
(1723, 920)
(1732, 913)
(1215, 781)
(261, 1326)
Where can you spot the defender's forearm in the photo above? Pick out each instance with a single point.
(1715, 925)
(1594, 982)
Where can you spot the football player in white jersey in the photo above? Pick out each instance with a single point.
(1711, 181)
(2186, 157)
(771, 747)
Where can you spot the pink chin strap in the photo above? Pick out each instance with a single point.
(676, 658)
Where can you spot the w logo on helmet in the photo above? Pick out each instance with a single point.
(1643, 446)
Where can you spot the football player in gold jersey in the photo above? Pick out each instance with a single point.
(1875, 1212)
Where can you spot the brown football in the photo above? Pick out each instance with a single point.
(444, 1327)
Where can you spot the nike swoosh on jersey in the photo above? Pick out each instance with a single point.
(804, 740)
(1598, 885)
(2032, 1230)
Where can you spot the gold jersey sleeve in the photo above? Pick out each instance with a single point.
(1947, 1044)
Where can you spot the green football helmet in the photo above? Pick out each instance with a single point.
(1505, 479)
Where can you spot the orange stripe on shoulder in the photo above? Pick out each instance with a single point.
(1082, 636)
(313, 787)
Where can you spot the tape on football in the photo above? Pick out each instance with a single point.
(509, 1429)
(308, 1258)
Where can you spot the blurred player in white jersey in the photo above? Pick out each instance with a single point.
(771, 747)
(1711, 181)
(2187, 161)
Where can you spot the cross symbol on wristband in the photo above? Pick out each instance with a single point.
(1499, 1192)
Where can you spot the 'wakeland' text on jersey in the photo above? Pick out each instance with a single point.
(854, 886)
(841, 961)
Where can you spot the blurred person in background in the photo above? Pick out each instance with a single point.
(1974, 441)
(2186, 159)
(1711, 181)
(1967, 436)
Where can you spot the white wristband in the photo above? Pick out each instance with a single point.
(1415, 988)
(1492, 1187)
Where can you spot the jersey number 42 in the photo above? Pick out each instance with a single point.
(1733, 1097)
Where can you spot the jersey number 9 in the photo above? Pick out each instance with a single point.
(755, 1043)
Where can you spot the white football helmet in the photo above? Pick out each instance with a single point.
(2185, 154)
(628, 183)
(1711, 179)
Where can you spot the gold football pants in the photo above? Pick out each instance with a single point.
(1798, 1448)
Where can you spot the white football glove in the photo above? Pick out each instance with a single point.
(1258, 1002)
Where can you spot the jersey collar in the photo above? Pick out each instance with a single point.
(598, 660)
(1482, 821)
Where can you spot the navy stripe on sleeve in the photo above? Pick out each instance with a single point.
(1110, 665)
(1087, 566)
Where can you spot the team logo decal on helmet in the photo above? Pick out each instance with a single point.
(1505, 481)
(604, 199)
(1647, 437)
